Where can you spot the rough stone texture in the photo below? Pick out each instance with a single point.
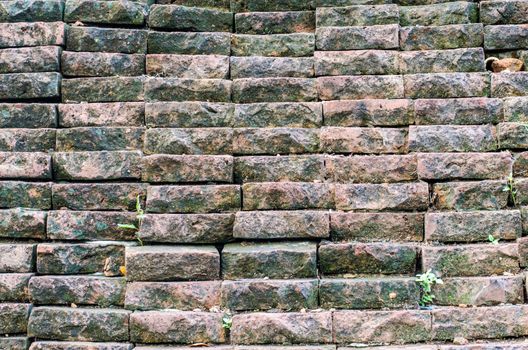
(14, 287)
(509, 84)
(13, 318)
(470, 195)
(457, 12)
(22, 115)
(22, 223)
(101, 114)
(176, 89)
(356, 62)
(371, 112)
(20, 86)
(270, 67)
(363, 140)
(39, 10)
(504, 37)
(458, 111)
(274, 45)
(183, 18)
(99, 139)
(275, 22)
(188, 66)
(446, 85)
(278, 114)
(95, 64)
(357, 37)
(275, 141)
(30, 59)
(360, 87)
(371, 169)
(456, 138)
(184, 43)
(503, 12)
(442, 61)
(92, 39)
(27, 140)
(53, 345)
(357, 15)
(452, 36)
(189, 141)
(15, 343)
(17, 258)
(31, 34)
(188, 114)
(279, 168)
(274, 89)
(102, 89)
(112, 12)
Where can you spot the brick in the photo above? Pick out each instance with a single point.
(357, 15)
(220, 4)
(512, 135)
(523, 249)
(457, 138)
(194, 168)
(105, 12)
(99, 139)
(479, 291)
(34, 165)
(91, 257)
(451, 36)
(335, 3)
(189, 114)
(80, 290)
(516, 109)
(442, 61)
(471, 260)
(21, 86)
(189, 141)
(457, 12)
(380, 37)
(31, 34)
(477, 110)
(33, 115)
(259, 6)
(255, 141)
(360, 87)
(287, 195)
(370, 112)
(274, 90)
(55, 345)
(397, 196)
(372, 169)
(368, 62)
(363, 140)
(30, 59)
(103, 89)
(34, 195)
(509, 84)
(505, 37)
(470, 195)
(264, 328)
(187, 228)
(172, 263)
(183, 18)
(367, 227)
(100, 64)
(79, 324)
(35, 11)
(368, 293)
(27, 140)
(189, 43)
(188, 66)
(281, 224)
(367, 258)
(270, 294)
(183, 327)
(193, 199)
(17, 257)
(279, 168)
(271, 67)
(15, 343)
(485, 322)
(185, 296)
(467, 166)
(176, 89)
(521, 185)
(92, 39)
(503, 12)
(272, 260)
(442, 85)
(13, 318)
(520, 165)
(23, 223)
(274, 45)
(275, 22)
(101, 114)
(14, 287)
(102, 165)
(278, 114)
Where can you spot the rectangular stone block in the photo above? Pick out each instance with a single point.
(397, 196)
(371, 169)
(20, 86)
(369, 293)
(184, 327)
(259, 6)
(457, 12)
(17, 257)
(30, 59)
(357, 62)
(446, 85)
(175, 89)
(523, 248)
(360, 87)
(370, 112)
(31, 34)
(261, 294)
(188, 66)
(31, 115)
(275, 22)
(271, 260)
(100, 139)
(173, 168)
(278, 114)
(505, 37)
(402, 326)
(36, 195)
(478, 110)
(357, 15)
(93, 39)
(442, 61)
(287, 195)
(105, 12)
(516, 109)
(101, 114)
(382, 37)
(271, 67)
(189, 114)
(367, 258)
(363, 140)
(102, 165)
(101, 64)
(281, 224)
(23, 223)
(27, 165)
(265, 328)
(520, 165)
(80, 290)
(82, 258)
(14, 287)
(470, 195)
(512, 135)
(27, 140)
(220, 4)
(80, 324)
(185, 296)
(274, 90)
(274, 45)
(56, 345)
(15, 343)
(365, 227)
(455, 138)
(451, 36)
(279, 168)
(13, 318)
(521, 197)
(189, 141)
(256, 141)
(187, 228)
(504, 12)
(172, 263)
(509, 84)
(196, 19)
(471, 260)
(102, 89)
(185, 43)
(34, 11)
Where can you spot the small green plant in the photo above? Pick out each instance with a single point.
(493, 240)
(426, 282)
(510, 187)
(227, 321)
(140, 215)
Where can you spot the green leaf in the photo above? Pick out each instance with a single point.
(127, 226)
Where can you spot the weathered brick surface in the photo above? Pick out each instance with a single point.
(93, 39)
(456, 138)
(458, 111)
(31, 34)
(368, 112)
(188, 66)
(274, 45)
(13, 317)
(25, 115)
(451, 36)
(101, 114)
(275, 22)
(363, 140)
(381, 37)
(22, 223)
(470, 195)
(95, 64)
(30, 59)
(282, 168)
(14, 287)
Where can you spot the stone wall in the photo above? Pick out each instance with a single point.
(298, 162)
